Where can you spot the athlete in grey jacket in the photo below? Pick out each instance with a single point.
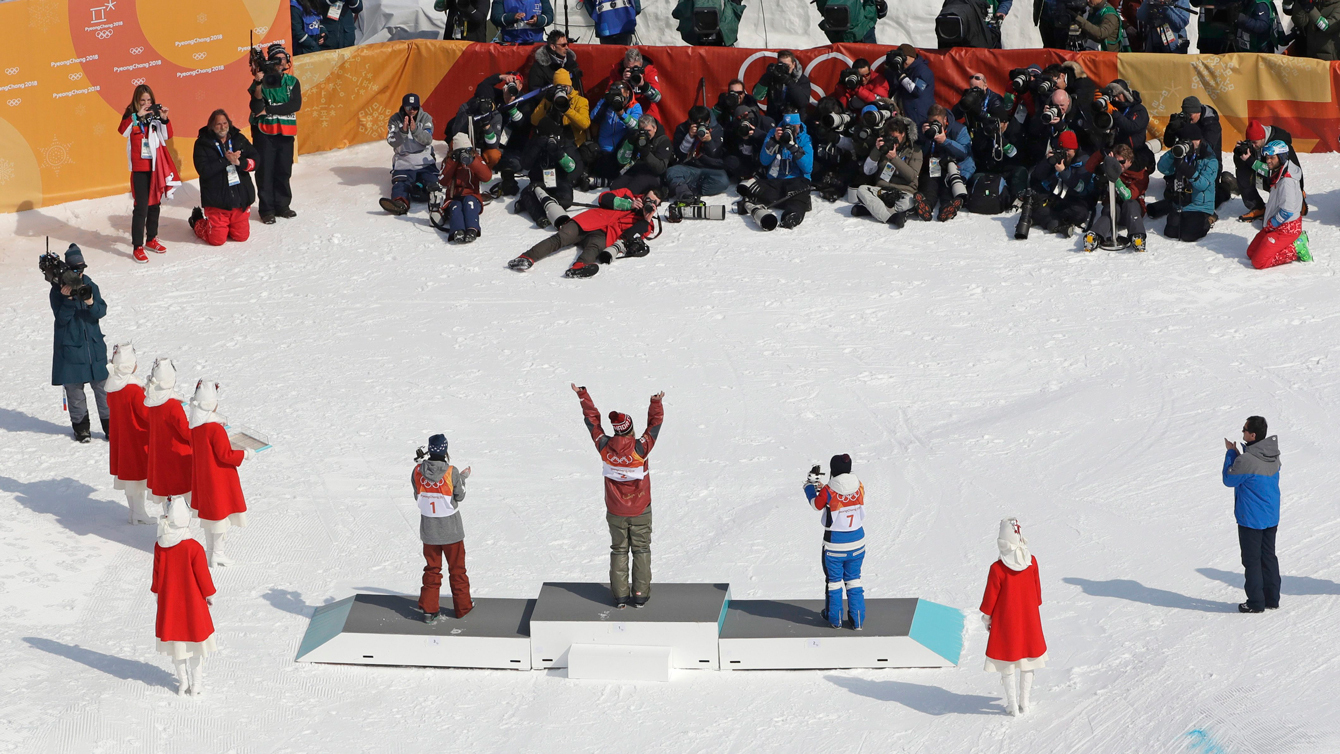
(439, 489)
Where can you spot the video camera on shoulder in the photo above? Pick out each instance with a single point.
(59, 275)
(837, 18)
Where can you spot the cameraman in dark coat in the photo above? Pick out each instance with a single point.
(996, 136)
(745, 134)
(1205, 118)
(79, 354)
(647, 153)
(554, 54)
(910, 82)
(785, 86)
(224, 160)
(554, 165)
(700, 170)
(1062, 188)
(467, 20)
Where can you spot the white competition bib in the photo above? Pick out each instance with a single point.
(550, 178)
(233, 178)
(850, 518)
(625, 473)
(436, 505)
(334, 13)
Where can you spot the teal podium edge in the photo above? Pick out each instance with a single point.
(327, 623)
(938, 628)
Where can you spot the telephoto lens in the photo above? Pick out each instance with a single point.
(934, 129)
(785, 139)
(1180, 150)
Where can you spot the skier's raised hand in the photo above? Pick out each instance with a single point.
(658, 396)
(466, 473)
(1229, 444)
(577, 390)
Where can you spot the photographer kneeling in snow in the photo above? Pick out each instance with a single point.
(224, 159)
(613, 230)
(786, 160)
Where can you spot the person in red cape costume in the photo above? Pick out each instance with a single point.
(1010, 612)
(216, 492)
(129, 434)
(169, 436)
(181, 580)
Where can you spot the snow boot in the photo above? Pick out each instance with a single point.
(183, 678)
(431, 618)
(1302, 248)
(640, 600)
(395, 206)
(520, 264)
(1090, 241)
(859, 210)
(289, 214)
(581, 270)
(196, 667)
(106, 430)
(950, 211)
(471, 234)
(621, 602)
(1025, 687)
(509, 186)
(1245, 608)
(762, 215)
(792, 219)
(1065, 230)
(455, 236)
(1011, 701)
(267, 219)
(924, 210)
(1251, 215)
(81, 430)
(214, 550)
(196, 216)
(135, 502)
(898, 219)
(1138, 242)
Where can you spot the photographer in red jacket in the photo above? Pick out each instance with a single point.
(627, 494)
(612, 230)
(146, 127)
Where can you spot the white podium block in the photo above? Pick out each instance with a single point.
(684, 617)
(388, 629)
(607, 662)
(790, 635)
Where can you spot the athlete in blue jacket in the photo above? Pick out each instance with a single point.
(1254, 475)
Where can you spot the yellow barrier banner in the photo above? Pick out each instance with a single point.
(68, 69)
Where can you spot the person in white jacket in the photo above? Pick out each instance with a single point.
(1281, 239)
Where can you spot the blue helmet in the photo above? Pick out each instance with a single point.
(1277, 148)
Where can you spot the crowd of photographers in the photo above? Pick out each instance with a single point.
(1072, 155)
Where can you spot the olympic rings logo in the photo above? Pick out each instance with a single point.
(199, 56)
(11, 71)
(76, 76)
(137, 82)
(136, 50)
(14, 102)
(261, 30)
(104, 34)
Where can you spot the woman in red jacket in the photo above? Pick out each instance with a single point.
(216, 493)
(462, 173)
(146, 127)
(129, 435)
(181, 580)
(169, 436)
(1010, 612)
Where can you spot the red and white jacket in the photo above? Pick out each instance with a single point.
(625, 466)
(842, 506)
(165, 179)
(129, 430)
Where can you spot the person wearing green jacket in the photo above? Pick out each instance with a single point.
(1318, 21)
(708, 23)
(850, 20)
(1102, 26)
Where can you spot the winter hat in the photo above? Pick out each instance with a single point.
(838, 465)
(1074, 70)
(791, 119)
(1255, 131)
(1190, 132)
(1119, 88)
(907, 50)
(174, 525)
(1067, 140)
(276, 49)
(163, 375)
(74, 257)
(206, 395)
(437, 445)
(1012, 545)
(622, 423)
(549, 128)
(562, 77)
(123, 358)
(410, 100)
(460, 141)
(1190, 105)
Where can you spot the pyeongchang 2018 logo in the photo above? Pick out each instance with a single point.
(100, 22)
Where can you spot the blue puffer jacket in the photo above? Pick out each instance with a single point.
(781, 162)
(1202, 181)
(1254, 476)
(79, 353)
(611, 126)
(957, 146)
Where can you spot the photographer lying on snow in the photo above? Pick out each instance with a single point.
(611, 230)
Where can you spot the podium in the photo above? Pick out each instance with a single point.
(790, 635)
(388, 629)
(686, 618)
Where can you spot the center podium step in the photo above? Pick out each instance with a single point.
(686, 618)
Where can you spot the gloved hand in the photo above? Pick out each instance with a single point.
(1184, 169)
(248, 454)
(1242, 152)
(465, 474)
(1111, 168)
(986, 621)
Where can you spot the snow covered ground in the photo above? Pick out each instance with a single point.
(970, 376)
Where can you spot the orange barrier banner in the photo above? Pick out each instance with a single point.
(67, 71)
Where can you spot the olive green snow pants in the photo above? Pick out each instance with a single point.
(626, 531)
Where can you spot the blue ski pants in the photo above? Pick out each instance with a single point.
(843, 569)
(463, 213)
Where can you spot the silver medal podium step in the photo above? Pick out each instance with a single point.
(388, 629)
(686, 618)
(791, 635)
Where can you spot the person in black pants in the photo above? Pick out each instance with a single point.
(276, 98)
(1254, 475)
(146, 126)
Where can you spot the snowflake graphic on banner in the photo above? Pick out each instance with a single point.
(1214, 74)
(200, 19)
(6, 172)
(56, 156)
(42, 14)
(372, 119)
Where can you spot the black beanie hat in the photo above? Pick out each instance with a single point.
(839, 465)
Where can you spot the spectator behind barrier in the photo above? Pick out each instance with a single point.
(555, 54)
(1165, 22)
(1318, 23)
(467, 20)
(708, 23)
(224, 160)
(1214, 25)
(308, 34)
(339, 20)
(1100, 25)
(850, 20)
(615, 20)
(521, 21)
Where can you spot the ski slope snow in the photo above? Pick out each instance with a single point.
(970, 376)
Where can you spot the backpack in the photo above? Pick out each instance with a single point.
(989, 194)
